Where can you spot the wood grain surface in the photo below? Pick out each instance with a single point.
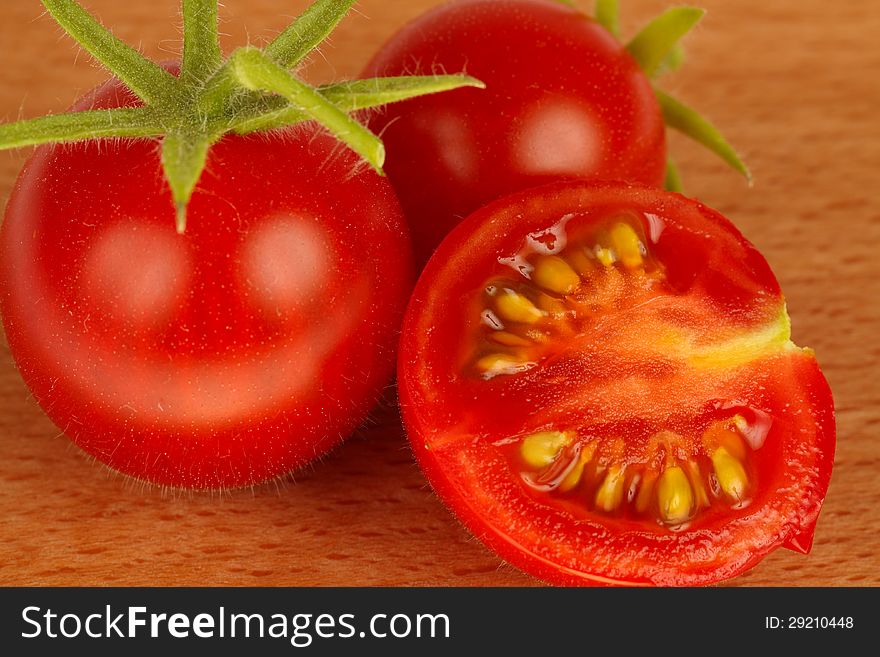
(792, 83)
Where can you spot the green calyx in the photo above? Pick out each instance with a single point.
(252, 90)
(657, 49)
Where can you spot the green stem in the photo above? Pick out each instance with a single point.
(689, 122)
(183, 158)
(672, 62)
(287, 50)
(252, 90)
(307, 32)
(372, 92)
(218, 92)
(653, 44)
(257, 72)
(149, 81)
(673, 178)
(360, 94)
(126, 122)
(608, 15)
(201, 43)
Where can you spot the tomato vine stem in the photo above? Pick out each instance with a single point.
(352, 96)
(258, 72)
(673, 177)
(201, 42)
(146, 79)
(657, 49)
(690, 123)
(125, 122)
(307, 32)
(251, 91)
(656, 41)
(608, 15)
(183, 158)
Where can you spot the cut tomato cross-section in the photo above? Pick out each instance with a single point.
(599, 380)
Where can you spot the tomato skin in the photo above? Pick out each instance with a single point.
(563, 100)
(454, 421)
(234, 353)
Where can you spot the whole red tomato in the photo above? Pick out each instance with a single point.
(563, 99)
(222, 357)
(599, 381)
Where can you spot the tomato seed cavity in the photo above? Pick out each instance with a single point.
(668, 482)
(550, 298)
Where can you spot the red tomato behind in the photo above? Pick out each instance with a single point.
(223, 357)
(599, 381)
(563, 100)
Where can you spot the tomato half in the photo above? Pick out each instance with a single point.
(599, 381)
(563, 99)
(225, 356)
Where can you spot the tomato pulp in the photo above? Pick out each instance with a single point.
(563, 99)
(599, 381)
(222, 357)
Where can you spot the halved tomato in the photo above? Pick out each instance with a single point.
(599, 381)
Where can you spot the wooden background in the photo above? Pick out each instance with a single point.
(793, 83)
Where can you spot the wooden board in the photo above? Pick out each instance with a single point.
(794, 85)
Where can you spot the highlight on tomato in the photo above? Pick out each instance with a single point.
(599, 381)
(564, 98)
(210, 296)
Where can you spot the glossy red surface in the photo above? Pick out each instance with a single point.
(706, 340)
(228, 355)
(563, 100)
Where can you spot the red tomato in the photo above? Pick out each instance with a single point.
(599, 381)
(223, 357)
(563, 100)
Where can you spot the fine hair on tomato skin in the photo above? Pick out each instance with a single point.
(733, 438)
(258, 391)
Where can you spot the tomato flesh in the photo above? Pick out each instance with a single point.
(223, 357)
(563, 100)
(599, 380)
